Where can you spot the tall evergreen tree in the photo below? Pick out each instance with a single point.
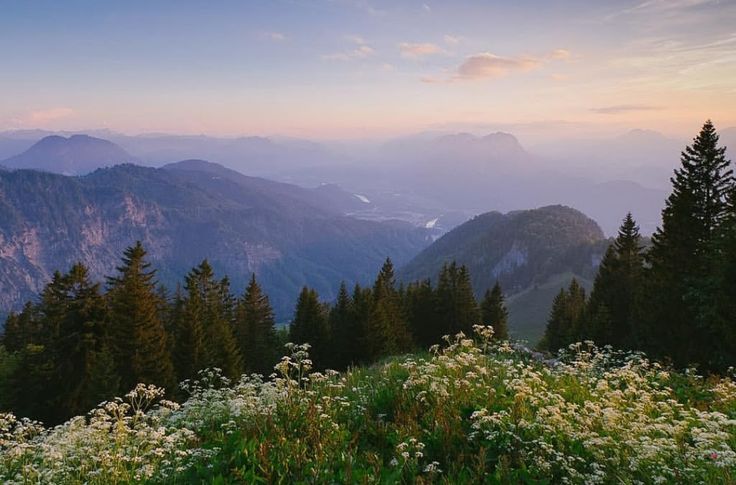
(360, 314)
(387, 332)
(310, 326)
(613, 305)
(566, 318)
(138, 337)
(344, 331)
(457, 308)
(494, 312)
(207, 328)
(256, 330)
(421, 311)
(680, 296)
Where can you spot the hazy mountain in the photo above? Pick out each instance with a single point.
(523, 250)
(184, 213)
(78, 154)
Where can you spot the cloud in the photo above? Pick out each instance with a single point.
(275, 36)
(559, 55)
(360, 51)
(416, 50)
(487, 65)
(490, 66)
(426, 7)
(624, 108)
(451, 39)
(45, 116)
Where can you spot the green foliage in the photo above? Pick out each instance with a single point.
(387, 331)
(139, 342)
(310, 326)
(494, 313)
(566, 320)
(255, 329)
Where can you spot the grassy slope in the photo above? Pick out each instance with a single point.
(462, 415)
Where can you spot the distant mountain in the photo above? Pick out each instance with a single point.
(184, 213)
(76, 155)
(523, 250)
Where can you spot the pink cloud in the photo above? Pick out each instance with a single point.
(416, 50)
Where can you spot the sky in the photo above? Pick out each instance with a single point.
(349, 69)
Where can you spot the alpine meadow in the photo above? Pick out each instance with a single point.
(368, 241)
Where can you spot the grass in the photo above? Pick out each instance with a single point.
(473, 411)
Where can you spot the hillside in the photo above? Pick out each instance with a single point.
(75, 155)
(474, 412)
(184, 213)
(523, 250)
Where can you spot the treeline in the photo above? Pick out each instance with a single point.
(80, 343)
(677, 299)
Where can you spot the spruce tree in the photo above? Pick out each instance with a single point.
(361, 309)
(138, 336)
(565, 323)
(255, 329)
(310, 326)
(423, 320)
(614, 302)
(344, 332)
(207, 328)
(494, 312)
(457, 309)
(681, 282)
(387, 332)
(557, 331)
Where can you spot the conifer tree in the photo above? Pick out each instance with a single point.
(139, 341)
(344, 332)
(421, 312)
(387, 332)
(681, 282)
(361, 308)
(457, 308)
(21, 329)
(206, 330)
(566, 318)
(494, 312)
(613, 305)
(255, 329)
(310, 326)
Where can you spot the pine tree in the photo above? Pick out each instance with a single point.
(457, 309)
(361, 309)
(564, 325)
(556, 334)
(206, 330)
(614, 302)
(387, 332)
(255, 329)
(681, 282)
(344, 332)
(494, 312)
(310, 326)
(139, 341)
(21, 329)
(421, 313)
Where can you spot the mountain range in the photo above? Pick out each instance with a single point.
(183, 213)
(75, 155)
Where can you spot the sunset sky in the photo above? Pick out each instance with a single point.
(367, 68)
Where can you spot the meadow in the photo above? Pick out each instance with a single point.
(471, 411)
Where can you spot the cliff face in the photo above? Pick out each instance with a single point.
(287, 235)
